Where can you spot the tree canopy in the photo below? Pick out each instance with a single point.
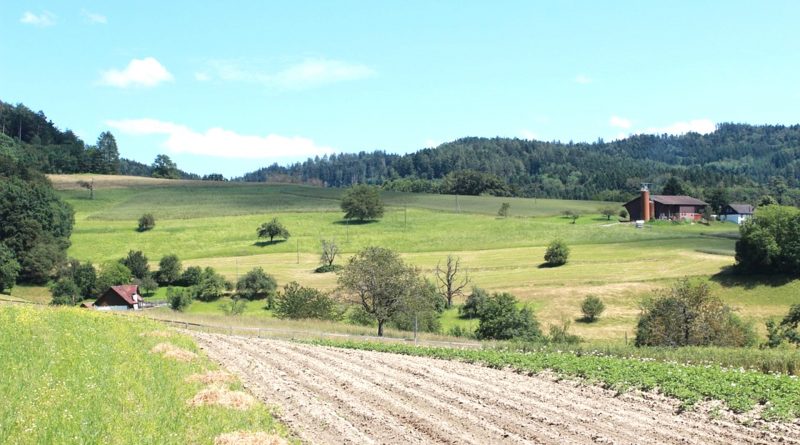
(770, 242)
(272, 229)
(362, 202)
(380, 282)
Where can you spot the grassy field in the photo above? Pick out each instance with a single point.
(214, 224)
(77, 376)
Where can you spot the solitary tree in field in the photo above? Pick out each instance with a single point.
(592, 307)
(446, 277)
(362, 202)
(146, 222)
(329, 251)
(608, 212)
(557, 253)
(504, 211)
(272, 229)
(380, 281)
(164, 167)
(571, 214)
(88, 185)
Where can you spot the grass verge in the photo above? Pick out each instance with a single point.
(740, 390)
(76, 376)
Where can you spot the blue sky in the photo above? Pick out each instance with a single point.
(232, 86)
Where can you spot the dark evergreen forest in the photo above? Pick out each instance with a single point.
(742, 162)
(746, 161)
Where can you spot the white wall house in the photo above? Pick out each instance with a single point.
(736, 213)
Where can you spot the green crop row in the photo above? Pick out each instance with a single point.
(741, 390)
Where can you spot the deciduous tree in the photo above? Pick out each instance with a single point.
(362, 202)
(380, 282)
(272, 229)
(449, 283)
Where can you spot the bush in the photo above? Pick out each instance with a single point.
(423, 309)
(211, 287)
(299, 302)
(460, 331)
(359, 316)
(178, 298)
(592, 307)
(328, 268)
(147, 285)
(146, 222)
(235, 306)
(169, 269)
(65, 291)
(623, 214)
(560, 334)
(770, 242)
(112, 274)
(499, 319)
(475, 301)
(786, 330)
(256, 285)
(688, 315)
(557, 253)
(505, 210)
(191, 276)
(9, 268)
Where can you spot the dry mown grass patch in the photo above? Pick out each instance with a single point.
(211, 377)
(224, 397)
(249, 438)
(168, 350)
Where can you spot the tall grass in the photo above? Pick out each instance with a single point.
(76, 376)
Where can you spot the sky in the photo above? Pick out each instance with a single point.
(229, 87)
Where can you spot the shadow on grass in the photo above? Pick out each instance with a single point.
(547, 265)
(355, 222)
(268, 243)
(729, 277)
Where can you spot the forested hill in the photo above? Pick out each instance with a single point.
(36, 142)
(746, 160)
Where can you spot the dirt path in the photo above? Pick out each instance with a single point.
(330, 395)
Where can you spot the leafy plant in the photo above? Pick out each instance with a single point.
(146, 222)
(557, 253)
(591, 307)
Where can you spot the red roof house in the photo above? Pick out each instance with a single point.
(119, 297)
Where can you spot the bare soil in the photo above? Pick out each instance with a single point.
(336, 396)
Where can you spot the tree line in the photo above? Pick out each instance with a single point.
(747, 160)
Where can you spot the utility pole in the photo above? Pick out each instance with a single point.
(405, 216)
(298, 251)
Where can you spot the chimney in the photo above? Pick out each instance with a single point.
(646, 201)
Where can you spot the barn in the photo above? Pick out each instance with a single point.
(119, 298)
(736, 213)
(647, 207)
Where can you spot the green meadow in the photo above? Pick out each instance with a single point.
(214, 224)
(77, 376)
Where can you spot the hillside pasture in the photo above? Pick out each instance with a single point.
(214, 224)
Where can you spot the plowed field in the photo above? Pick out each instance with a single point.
(335, 396)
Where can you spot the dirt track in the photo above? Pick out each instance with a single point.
(330, 395)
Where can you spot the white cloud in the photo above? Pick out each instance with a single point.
(529, 135)
(93, 17)
(220, 142)
(42, 20)
(702, 126)
(310, 73)
(147, 72)
(620, 122)
(583, 79)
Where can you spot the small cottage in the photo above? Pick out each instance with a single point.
(646, 207)
(122, 297)
(736, 213)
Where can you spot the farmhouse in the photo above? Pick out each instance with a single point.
(647, 207)
(736, 213)
(119, 298)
